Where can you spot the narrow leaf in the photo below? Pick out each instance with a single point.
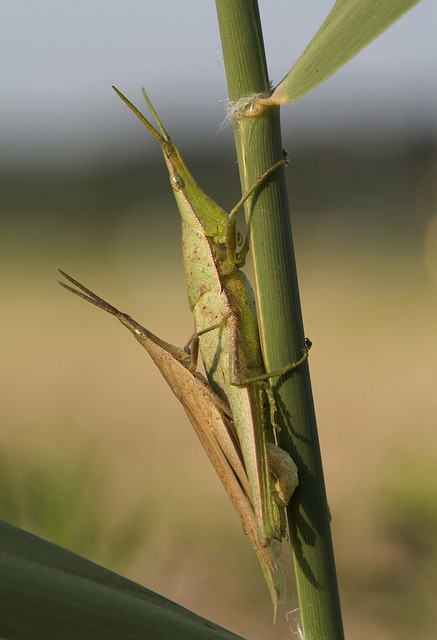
(49, 593)
(350, 26)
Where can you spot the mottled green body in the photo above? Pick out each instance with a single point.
(219, 293)
(231, 353)
(222, 302)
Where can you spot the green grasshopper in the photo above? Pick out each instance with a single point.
(222, 302)
(212, 422)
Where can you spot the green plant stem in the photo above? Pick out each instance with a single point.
(259, 146)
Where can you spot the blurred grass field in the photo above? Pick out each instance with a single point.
(96, 453)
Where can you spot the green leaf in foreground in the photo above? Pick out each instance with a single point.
(350, 26)
(49, 593)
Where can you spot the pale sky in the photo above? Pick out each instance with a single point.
(60, 58)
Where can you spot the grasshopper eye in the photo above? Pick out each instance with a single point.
(140, 333)
(177, 182)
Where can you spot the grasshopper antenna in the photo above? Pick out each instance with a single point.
(88, 295)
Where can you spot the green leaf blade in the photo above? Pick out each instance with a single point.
(49, 593)
(350, 26)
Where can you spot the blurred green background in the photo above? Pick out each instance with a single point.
(96, 453)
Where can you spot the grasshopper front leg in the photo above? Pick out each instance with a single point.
(237, 258)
